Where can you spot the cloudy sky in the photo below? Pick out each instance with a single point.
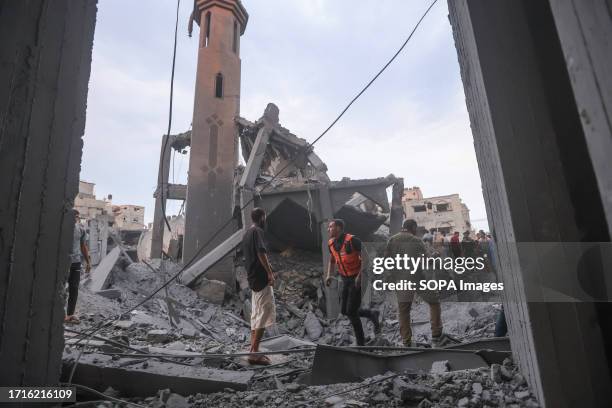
(310, 57)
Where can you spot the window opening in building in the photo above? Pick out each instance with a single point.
(219, 86)
(207, 29)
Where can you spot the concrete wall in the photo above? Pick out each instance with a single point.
(129, 217)
(539, 184)
(45, 57)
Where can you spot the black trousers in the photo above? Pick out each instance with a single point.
(73, 287)
(351, 308)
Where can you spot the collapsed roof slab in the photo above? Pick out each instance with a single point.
(340, 192)
(336, 364)
(100, 371)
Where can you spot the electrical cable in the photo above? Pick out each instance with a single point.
(165, 146)
(304, 151)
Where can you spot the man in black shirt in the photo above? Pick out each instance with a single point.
(261, 280)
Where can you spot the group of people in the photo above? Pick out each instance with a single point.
(348, 258)
(455, 246)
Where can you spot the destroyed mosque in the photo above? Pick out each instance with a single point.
(164, 318)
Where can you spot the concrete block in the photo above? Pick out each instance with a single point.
(158, 336)
(109, 293)
(439, 367)
(212, 291)
(138, 381)
(215, 255)
(100, 276)
(313, 326)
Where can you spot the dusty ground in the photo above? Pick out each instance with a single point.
(176, 320)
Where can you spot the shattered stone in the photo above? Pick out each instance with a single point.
(354, 403)
(506, 373)
(522, 394)
(158, 336)
(293, 324)
(177, 345)
(295, 387)
(212, 291)
(477, 388)
(380, 398)
(425, 404)
(334, 400)
(177, 401)
(189, 332)
(410, 392)
(518, 379)
(496, 375)
(463, 402)
(439, 367)
(124, 324)
(313, 326)
(164, 395)
(109, 293)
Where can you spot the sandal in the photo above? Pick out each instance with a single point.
(259, 360)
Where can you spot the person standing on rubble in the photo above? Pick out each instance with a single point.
(261, 281)
(406, 242)
(346, 253)
(79, 248)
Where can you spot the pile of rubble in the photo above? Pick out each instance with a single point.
(499, 385)
(197, 339)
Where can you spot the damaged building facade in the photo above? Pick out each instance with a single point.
(445, 213)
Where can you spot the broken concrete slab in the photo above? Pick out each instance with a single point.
(284, 342)
(192, 273)
(158, 336)
(100, 371)
(336, 364)
(212, 291)
(124, 324)
(100, 277)
(109, 293)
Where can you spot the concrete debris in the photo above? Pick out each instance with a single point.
(101, 275)
(439, 367)
(177, 401)
(194, 326)
(313, 327)
(158, 336)
(212, 291)
(407, 392)
(284, 342)
(109, 293)
(496, 373)
(100, 371)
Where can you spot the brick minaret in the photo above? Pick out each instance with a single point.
(214, 140)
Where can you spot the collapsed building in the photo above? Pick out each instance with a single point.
(535, 74)
(284, 176)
